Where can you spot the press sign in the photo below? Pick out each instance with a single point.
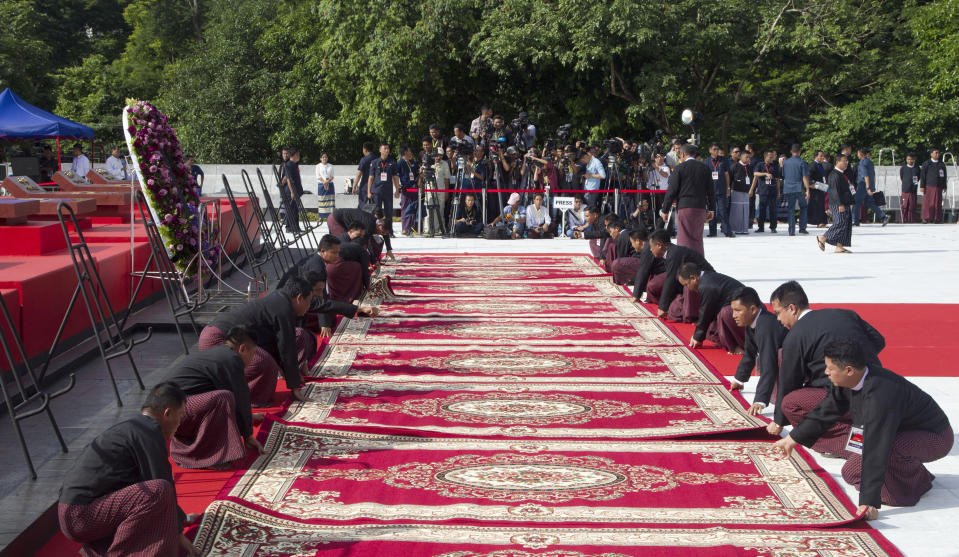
(563, 202)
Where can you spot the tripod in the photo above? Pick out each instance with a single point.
(431, 201)
(458, 186)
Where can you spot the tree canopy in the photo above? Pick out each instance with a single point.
(240, 78)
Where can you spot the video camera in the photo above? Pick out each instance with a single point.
(614, 146)
(563, 133)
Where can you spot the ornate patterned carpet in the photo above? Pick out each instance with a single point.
(512, 406)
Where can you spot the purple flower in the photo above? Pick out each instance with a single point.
(179, 247)
(162, 191)
(153, 168)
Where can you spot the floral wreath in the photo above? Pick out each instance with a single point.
(169, 188)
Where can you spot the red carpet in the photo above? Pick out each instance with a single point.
(535, 410)
(515, 363)
(505, 448)
(460, 330)
(350, 476)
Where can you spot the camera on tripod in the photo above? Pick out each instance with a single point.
(614, 146)
(563, 133)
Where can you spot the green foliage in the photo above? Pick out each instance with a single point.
(241, 78)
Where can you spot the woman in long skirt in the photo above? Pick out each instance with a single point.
(326, 195)
(739, 212)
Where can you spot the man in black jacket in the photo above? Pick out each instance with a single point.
(119, 498)
(691, 187)
(715, 322)
(896, 428)
(932, 184)
(802, 373)
(909, 180)
(764, 338)
(217, 425)
(674, 302)
(281, 346)
(841, 193)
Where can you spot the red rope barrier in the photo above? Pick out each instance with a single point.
(556, 193)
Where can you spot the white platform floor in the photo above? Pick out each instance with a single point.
(895, 264)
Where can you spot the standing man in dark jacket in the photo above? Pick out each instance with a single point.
(718, 170)
(932, 184)
(291, 190)
(909, 179)
(691, 187)
(841, 192)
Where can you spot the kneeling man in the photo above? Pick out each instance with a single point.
(217, 425)
(716, 291)
(119, 498)
(896, 427)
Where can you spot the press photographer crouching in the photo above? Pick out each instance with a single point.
(512, 218)
(468, 221)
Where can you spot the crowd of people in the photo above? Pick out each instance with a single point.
(754, 190)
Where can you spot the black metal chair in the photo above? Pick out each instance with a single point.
(112, 340)
(32, 400)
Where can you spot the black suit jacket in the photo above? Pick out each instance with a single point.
(649, 266)
(803, 362)
(762, 344)
(929, 174)
(839, 192)
(675, 257)
(691, 185)
(907, 176)
(716, 291)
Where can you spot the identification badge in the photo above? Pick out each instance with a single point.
(411, 177)
(942, 173)
(854, 443)
(747, 179)
(715, 175)
(769, 181)
(915, 180)
(382, 176)
(852, 189)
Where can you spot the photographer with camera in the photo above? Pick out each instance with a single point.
(512, 217)
(525, 132)
(480, 123)
(593, 175)
(460, 137)
(497, 134)
(438, 141)
(468, 221)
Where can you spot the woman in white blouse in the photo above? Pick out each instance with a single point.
(326, 196)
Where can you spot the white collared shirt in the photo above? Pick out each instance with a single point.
(862, 381)
(803, 314)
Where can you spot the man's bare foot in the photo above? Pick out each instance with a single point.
(738, 350)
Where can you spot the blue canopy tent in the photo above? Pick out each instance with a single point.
(21, 120)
